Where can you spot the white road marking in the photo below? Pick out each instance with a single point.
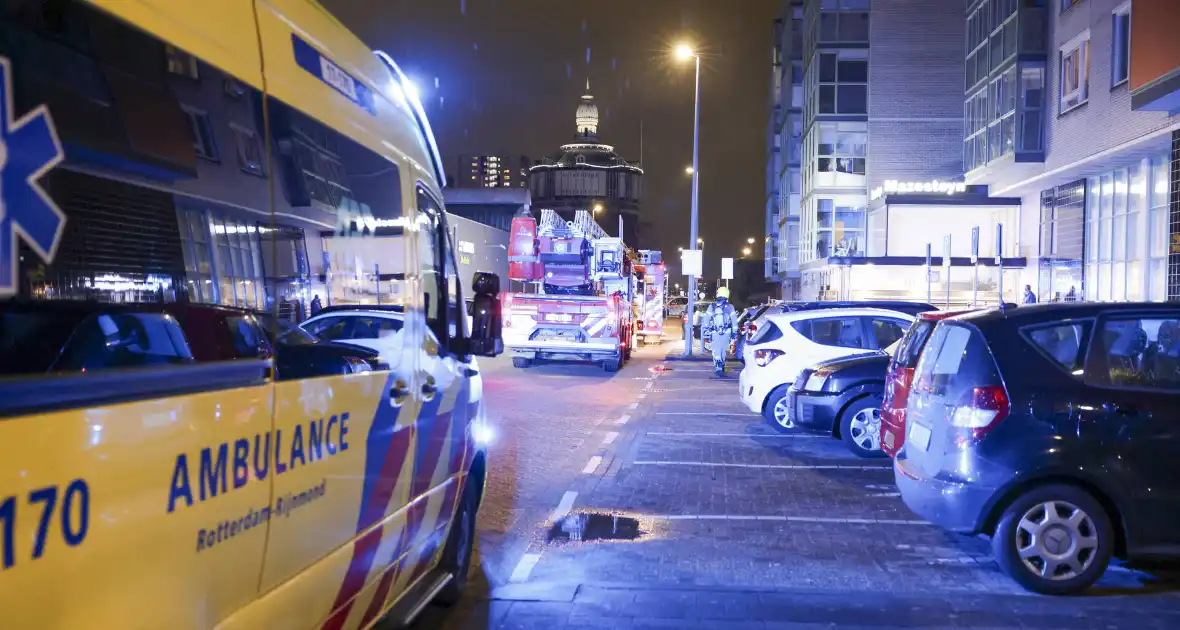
(764, 466)
(524, 567)
(610, 437)
(885, 494)
(633, 406)
(707, 413)
(787, 519)
(649, 384)
(623, 419)
(564, 506)
(753, 435)
(592, 465)
(641, 396)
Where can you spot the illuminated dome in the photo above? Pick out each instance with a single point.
(587, 115)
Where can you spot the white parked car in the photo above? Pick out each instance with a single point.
(787, 342)
(369, 326)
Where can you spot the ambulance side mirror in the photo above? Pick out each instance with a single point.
(486, 316)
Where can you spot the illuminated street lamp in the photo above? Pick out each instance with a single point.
(746, 251)
(750, 240)
(688, 170)
(685, 52)
(597, 208)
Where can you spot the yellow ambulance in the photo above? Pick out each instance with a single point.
(173, 175)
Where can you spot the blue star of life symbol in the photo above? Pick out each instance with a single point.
(29, 148)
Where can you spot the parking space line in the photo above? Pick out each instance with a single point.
(623, 419)
(592, 465)
(564, 506)
(649, 384)
(524, 567)
(633, 406)
(772, 466)
(610, 437)
(641, 396)
(751, 435)
(787, 519)
(707, 413)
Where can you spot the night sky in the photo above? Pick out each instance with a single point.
(504, 77)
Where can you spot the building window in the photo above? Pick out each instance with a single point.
(250, 158)
(1075, 73)
(201, 130)
(1120, 63)
(238, 263)
(1158, 230)
(843, 83)
(840, 152)
(1002, 124)
(839, 223)
(194, 241)
(1032, 90)
(180, 62)
(844, 21)
(1115, 250)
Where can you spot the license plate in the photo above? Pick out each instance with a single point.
(919, 436)
(559, 317)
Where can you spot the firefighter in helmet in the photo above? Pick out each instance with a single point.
(719, 326)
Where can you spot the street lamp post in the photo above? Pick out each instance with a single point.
(684, 52)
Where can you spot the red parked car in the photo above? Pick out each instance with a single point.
(900, 375)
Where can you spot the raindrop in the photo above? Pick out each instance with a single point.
(465, 130)
(436, 83)
(614, 63)
(587, 54)
(441, 101)
(463, 7)
(475, 45)
(569, 69)
(607, 112)
(627, 83)
(583, 25)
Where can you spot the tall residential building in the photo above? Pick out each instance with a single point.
(489, 171)
(881, 121)
(784, 150)
(1072, 109)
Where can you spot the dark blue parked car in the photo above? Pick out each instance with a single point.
(1053, 428)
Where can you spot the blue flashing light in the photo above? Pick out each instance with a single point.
(410, 92)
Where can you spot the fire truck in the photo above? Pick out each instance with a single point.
(582, 310)
(649, 296)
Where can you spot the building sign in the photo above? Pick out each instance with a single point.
(691, 262)
(727, 269)
(893, 187)
(466, 247)
(29, 148)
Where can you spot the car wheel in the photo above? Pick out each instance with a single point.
(456, 556)
(774, 411)
(1054, 540)
(520, 362)
(860, 427)
(611, 365)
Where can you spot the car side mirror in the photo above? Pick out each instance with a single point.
(486, 316)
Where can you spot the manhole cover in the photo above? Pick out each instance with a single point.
(591, 526)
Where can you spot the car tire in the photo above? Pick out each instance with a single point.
(1048, 515)
(456, 556)
(611, 365)
(521, 362)
(774, 410)
(861, 423)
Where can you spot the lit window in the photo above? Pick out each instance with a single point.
(1120, 64)
(1075, 73)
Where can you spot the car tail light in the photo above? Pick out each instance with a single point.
(639, 324)
(983, 409)
(764, 357)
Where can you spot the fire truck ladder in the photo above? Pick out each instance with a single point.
(583, 225)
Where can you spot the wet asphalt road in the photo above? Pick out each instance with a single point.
(652, 498)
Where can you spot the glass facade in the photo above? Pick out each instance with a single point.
(1004, 99)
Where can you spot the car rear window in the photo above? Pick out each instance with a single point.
(955, 362)
(1064, 344)
(841, 332)
(912, 343)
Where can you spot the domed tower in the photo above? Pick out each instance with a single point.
(589, 175)
(587, 117)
